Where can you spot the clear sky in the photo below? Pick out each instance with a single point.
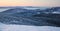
(29, 2)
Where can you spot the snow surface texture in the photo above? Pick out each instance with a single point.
(4, 27)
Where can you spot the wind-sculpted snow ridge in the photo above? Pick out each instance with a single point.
(21, 16)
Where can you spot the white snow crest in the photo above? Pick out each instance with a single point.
(27, 28)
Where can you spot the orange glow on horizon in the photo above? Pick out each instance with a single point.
(29, 3)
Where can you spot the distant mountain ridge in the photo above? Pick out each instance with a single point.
(35, 17)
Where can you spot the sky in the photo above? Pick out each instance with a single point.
(29, 2)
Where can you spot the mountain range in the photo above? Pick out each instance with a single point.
(36, 17)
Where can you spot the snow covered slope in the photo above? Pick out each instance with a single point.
(27, 28)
